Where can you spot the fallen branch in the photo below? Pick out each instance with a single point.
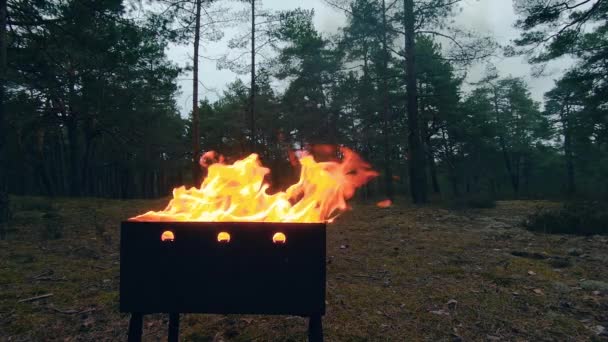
(87, 310)
(43, 274)
(67, 312)
(365, 276)
(51, 279)
(386, 315)
(31, 299)
(103, 268)
(71, 311)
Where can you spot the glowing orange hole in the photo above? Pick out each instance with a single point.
(223, 237)
(279, 238)
(167, 235)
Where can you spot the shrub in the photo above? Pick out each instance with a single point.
(579, 218)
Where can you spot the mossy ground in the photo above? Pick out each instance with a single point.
(399, 274)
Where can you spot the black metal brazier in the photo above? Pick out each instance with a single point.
(222, 268)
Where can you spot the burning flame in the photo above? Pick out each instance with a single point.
(385, 203)
(237, 193)
(223, 237)
(167, 235)
(279, 238)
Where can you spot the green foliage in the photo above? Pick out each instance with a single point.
(90, 101)
(311, 65)
(491, 139)
(553, 29)
(91, 108)
(577, 104)
(578, 217)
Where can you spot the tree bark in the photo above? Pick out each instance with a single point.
(526, 171)
(512, 175)
(388, 181)
(452, 175)
(416, 160)
(432, 166)
(503, 147)
(571, 184)
(428, 150)
(252, 90)
(4, 200)
(196, 136)
(72, 127)
(86, 161)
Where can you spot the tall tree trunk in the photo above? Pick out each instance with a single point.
(86, 161)
(72, 126)
(428, 151)
(432, 167)
(4, 200)
(64, 164)
(508, 166)
(571, 184)
(252, 90)
(388, 173)
(526, 172)
(503, 148)
(196, 135)
(452, 175)
(367, 147)
(74, 183)
(416, 154)
(41, 164)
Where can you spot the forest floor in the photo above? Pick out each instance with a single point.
(398, 274)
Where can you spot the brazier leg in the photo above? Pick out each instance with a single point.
(135, 325)
(315, 329)
(173, 327)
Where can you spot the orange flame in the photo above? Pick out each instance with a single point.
(385, 203)
(167, 235)
(237, 193)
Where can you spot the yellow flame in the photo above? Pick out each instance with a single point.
(223, 237)
(279, 238)
(167, 235)
(237, 193)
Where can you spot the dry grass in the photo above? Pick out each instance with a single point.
(403, 274)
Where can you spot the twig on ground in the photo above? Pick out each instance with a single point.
(386, 315)
(67, 312)
(366, 276)
(101, 267)
(43, 274)
(71, 311)
(51, 279)
(87, 310)
(31, 299)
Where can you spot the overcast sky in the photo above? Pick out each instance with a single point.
(492, 17)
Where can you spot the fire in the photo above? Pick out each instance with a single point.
(237, 193)
(223, 237)
(167, 235)
(279, 238)
(385, 203)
